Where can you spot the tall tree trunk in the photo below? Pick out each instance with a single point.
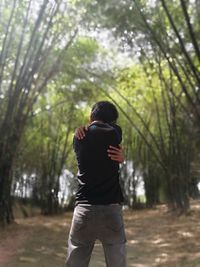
(6, 214)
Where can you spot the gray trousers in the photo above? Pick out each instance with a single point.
(92, 222)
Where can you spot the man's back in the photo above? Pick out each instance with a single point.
(98, 213)
(98, 175)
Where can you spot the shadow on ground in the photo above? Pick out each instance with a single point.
(155, 239)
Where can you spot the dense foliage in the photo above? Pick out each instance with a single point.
(59, 57)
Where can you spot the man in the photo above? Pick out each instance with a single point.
(98, 211)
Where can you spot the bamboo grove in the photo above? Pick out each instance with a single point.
(54, 66)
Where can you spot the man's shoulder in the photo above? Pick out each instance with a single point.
(100, 129)
(117, 129)
(106, 131)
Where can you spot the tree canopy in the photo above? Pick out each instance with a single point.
(57, 58)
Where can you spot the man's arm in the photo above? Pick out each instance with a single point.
(80, 132)
(115, 153)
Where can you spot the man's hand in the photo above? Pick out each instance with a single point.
(80, 132)
(116, 154)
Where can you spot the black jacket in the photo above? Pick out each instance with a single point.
(98, 175)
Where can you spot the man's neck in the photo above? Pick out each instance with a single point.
(96, 121)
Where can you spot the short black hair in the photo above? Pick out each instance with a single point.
(104, 111)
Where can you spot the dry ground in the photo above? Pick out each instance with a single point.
(155, 239)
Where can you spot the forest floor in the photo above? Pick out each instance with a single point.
(155, 239)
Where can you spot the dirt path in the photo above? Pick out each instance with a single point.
(155, 239)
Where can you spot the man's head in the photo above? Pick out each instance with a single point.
(104, 111)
